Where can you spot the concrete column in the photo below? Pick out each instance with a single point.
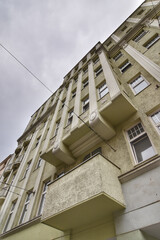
(144, 61)
(53, 121)
(111, 82)
(77, 104)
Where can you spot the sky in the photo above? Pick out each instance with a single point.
(49, 37)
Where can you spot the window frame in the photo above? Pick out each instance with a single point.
(27, 169)
(98, 71)
(138, 138)
(156, 125)
(43, 195)
(70, 117)
(25, 207)
(138, 84)
(101, 91)
(118, 56)
(140, 35)
(85, 83)
(125, 66)
(10, 215)
(85, 104)
(155, 38)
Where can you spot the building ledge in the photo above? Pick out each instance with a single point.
(21, 227)
(140, 169)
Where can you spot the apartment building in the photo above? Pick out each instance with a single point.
(87, 165)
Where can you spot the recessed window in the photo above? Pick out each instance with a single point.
(152, 41)
(84, 60)
(63, 103)
(45, 186)
(85, 70)
(76, 78)
(95, 60)
(124, 28)
(98, 71)
(141, 34)
(117, 56)
(38, 140)
(125, 66)
(25, 208)
(56, 128)
(27, 169)
(10, 216)
(156, 119)
(103, 90)
(70, 117)
(108, 44)
(94, 153)
(85, 104)
(39, 162)
(76, 68)
(140, 143)
(138, 84)
(140, 12)
(85, 83)
(73, 93)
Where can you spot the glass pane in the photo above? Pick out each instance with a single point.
(156, 117)
(143, 149)
(140, 87)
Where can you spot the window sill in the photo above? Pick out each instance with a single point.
(140, 168)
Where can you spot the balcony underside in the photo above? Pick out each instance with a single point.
(94, 209)
(117, 111)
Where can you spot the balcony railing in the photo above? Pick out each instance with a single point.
(88, 193)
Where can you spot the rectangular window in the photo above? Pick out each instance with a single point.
(73, 93)
(85, 70)
(25, 208)
(39, 163)
(98, 71)
(43, 197)
(152, 41)
(94, 153)
(140, 12)
(125, 66)
(140, 143)
(27, 169)
(117, 56)
(85, 104)
(38, 139)
(124, 28)
(103, 90)
(156, 119)
(95, 60)
(85, 83)
(138, 84)
(10, 216)
(109, 43)
(141, 34)
(70, 117)
(63, 103)
(56, 128)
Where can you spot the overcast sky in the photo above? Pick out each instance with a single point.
(49, 37)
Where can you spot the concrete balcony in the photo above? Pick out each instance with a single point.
(88, 193)
(7, 170)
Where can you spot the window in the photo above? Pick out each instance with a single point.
(125, 66)
(38, 139)
(103, 90)
(85, 70)
(56, 128)
(138, 84)
(124, 28)
(63, 103)
(73, 93)
(85, 104)
(75, 79)
(140, 143)
(85, 83)
(95, 60)
(70, 117)
(27, 169)
(109, 43)
(156, 119)
(94, 153)
(140, 12)
(152, 41)
(25, 209)
(39, 163)
(139, 35)
(43, 197)
(10, 216)
(98, 71)
(117, 56)
(84, 60)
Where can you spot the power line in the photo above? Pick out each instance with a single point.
(55, 95)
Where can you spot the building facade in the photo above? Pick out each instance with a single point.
(87, 166)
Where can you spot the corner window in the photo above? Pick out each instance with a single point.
(43, 196)
(141, 34)
(98, 71)
(138, 84)
(103, 90)
(117, 56)
(125, 66)
(140, 143)
(156, 119)
(152, 41)
(70, 117)
(85, 104)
